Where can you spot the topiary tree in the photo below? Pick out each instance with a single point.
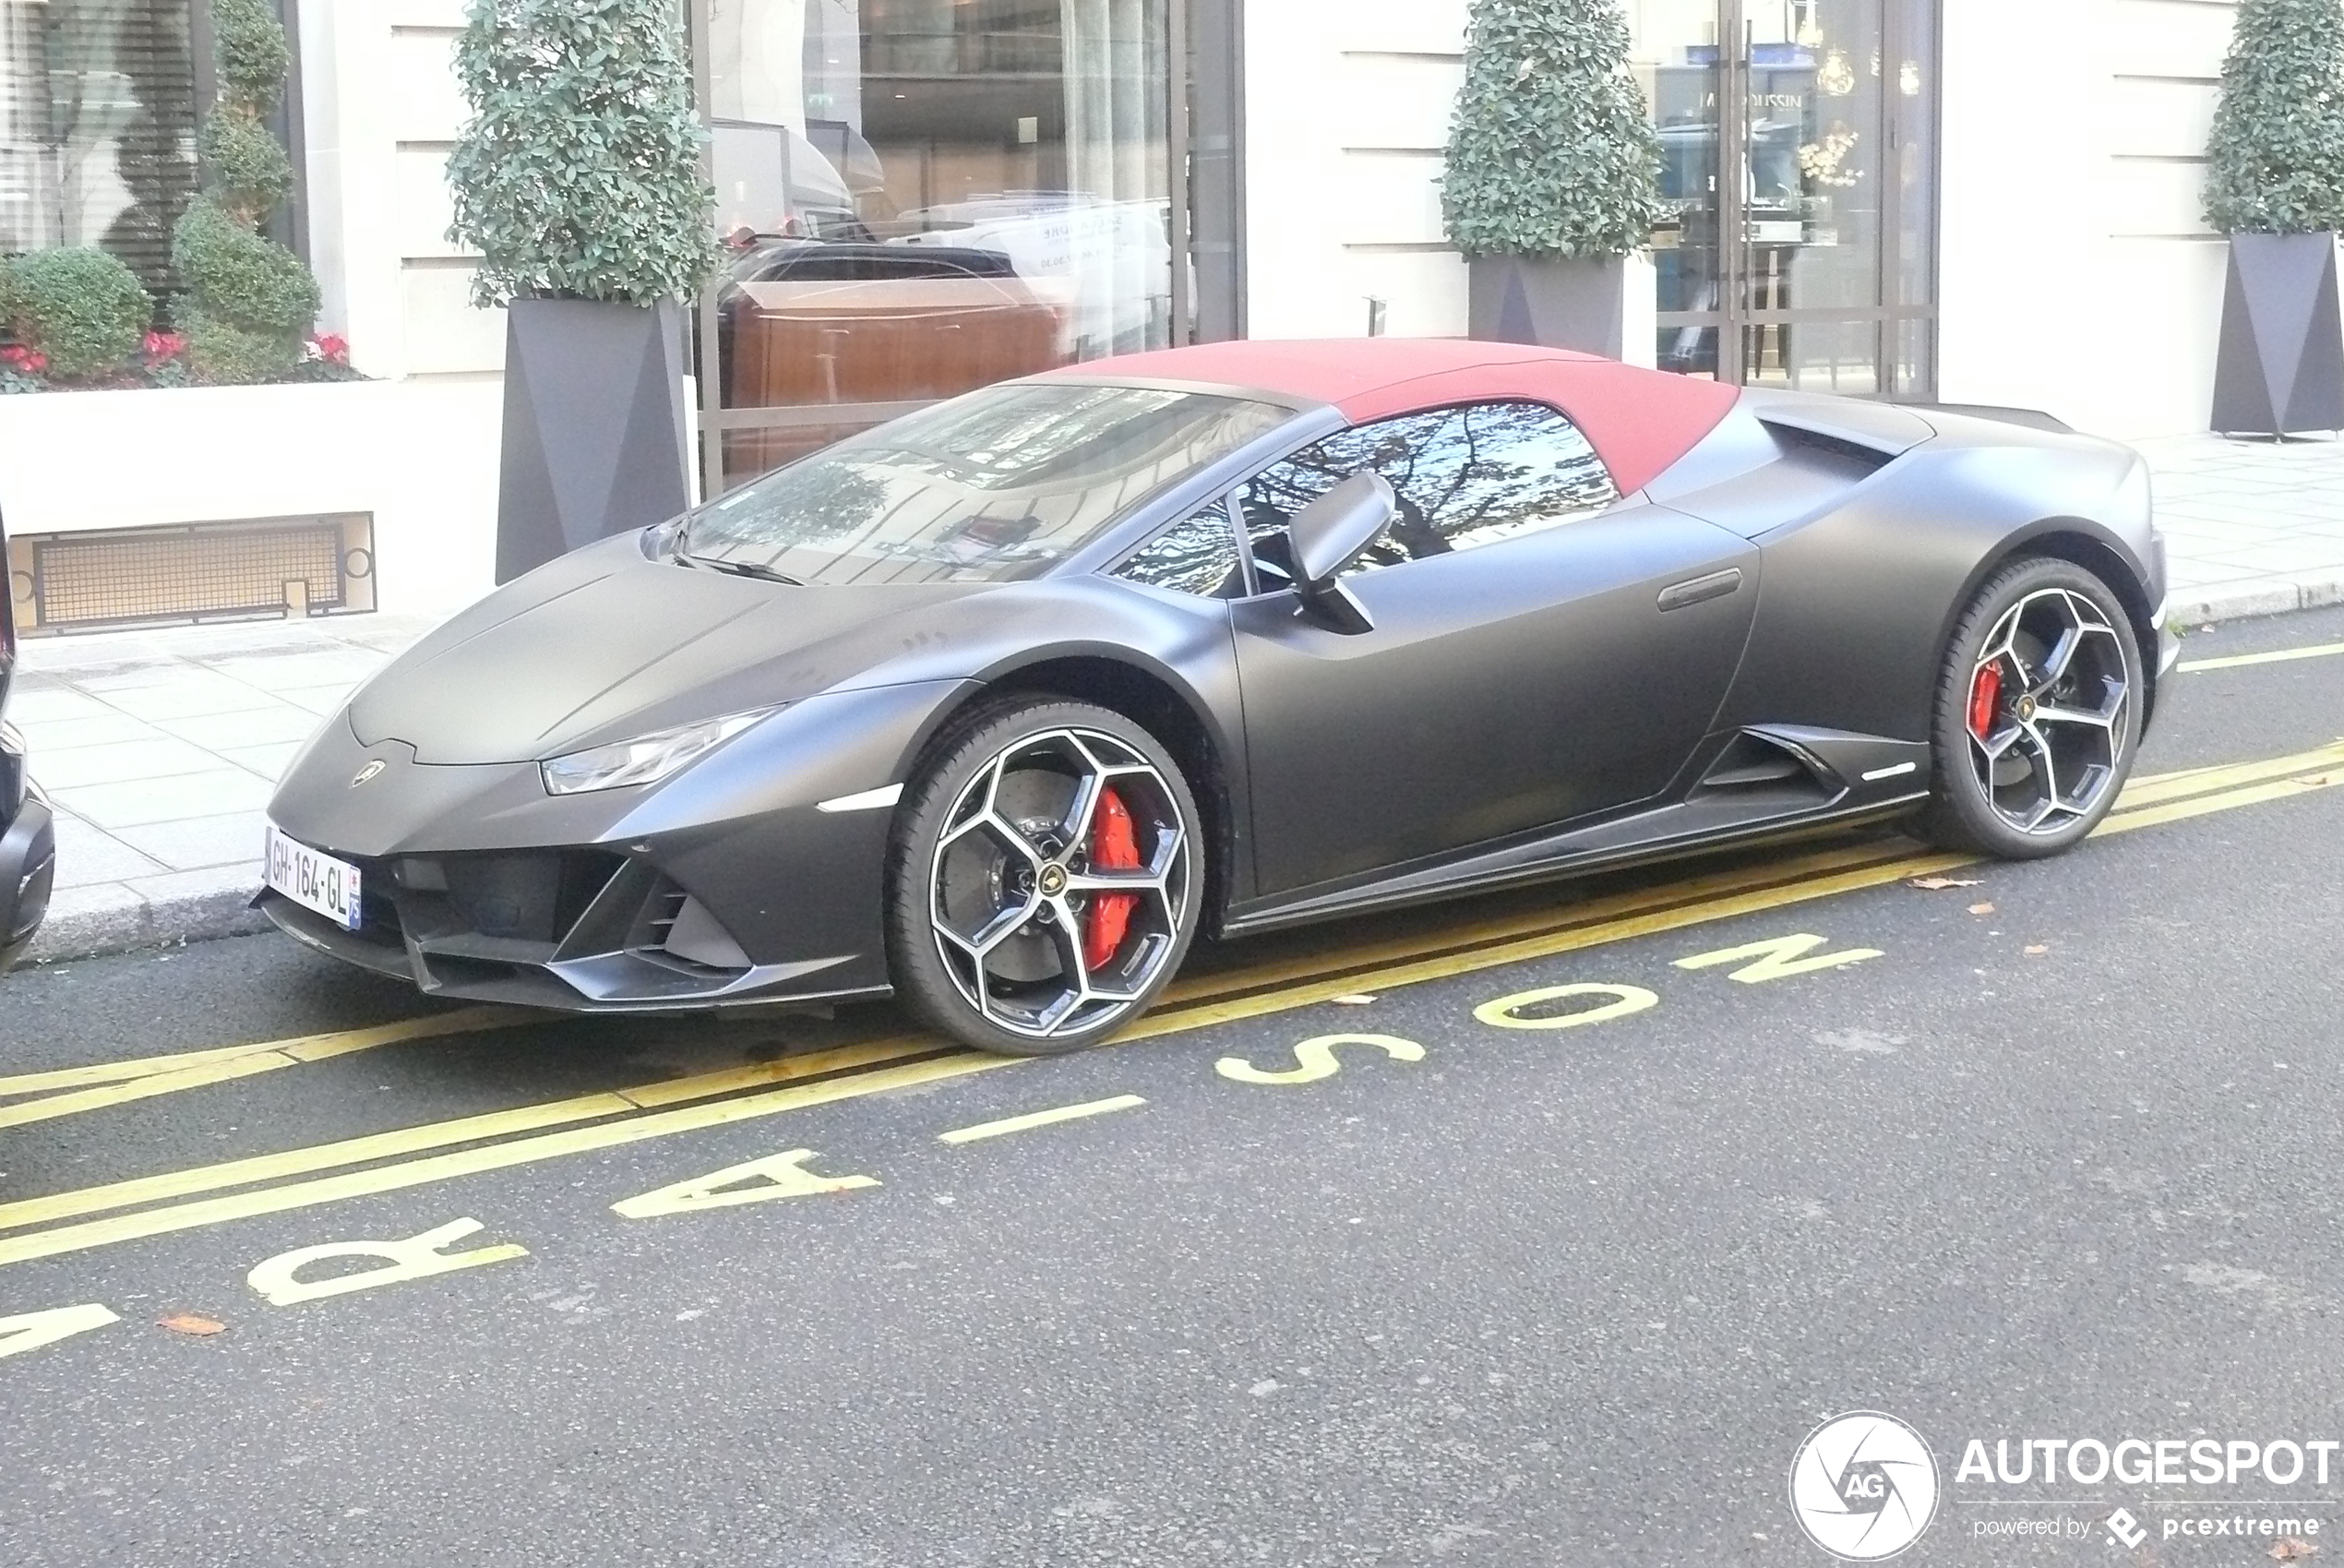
(77, 307)
(2278, 145)
(577, 176)
(1551, 152)
(250, 302)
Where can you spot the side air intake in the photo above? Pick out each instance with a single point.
(1754, 765)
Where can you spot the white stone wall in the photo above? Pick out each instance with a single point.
(2077, 275)
(382, 109)
(419, 456)
(1347, 113)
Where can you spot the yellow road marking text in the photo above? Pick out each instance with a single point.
(1506, 1011)
(418, 1257)
(752, 1181)
(1776, 958)
(31, 1331)
(1315, 1060)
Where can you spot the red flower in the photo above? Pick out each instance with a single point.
(330, 348)
(30, 361)
(161, 346)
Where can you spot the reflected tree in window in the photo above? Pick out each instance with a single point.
(1464, 478)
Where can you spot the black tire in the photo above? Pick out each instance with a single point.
(1004, 817)
(2039, 714)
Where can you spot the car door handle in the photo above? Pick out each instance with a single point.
(1695, 590)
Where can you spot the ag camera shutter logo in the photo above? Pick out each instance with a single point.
(1863, 1486)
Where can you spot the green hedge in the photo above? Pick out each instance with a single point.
(80, 307)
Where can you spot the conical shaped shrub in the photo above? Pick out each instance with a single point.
(2278, 147)
(579, 175)
(250, 302)
(1551, 152)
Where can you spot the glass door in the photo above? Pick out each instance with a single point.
(1798, 244)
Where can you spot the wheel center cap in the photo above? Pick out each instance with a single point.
(1051, 882)
(2027, 708)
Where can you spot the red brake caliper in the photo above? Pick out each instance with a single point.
(1985, 696)
(1115, 846)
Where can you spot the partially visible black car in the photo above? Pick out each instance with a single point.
(28, 834)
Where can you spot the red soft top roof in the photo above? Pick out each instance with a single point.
(1638, 421)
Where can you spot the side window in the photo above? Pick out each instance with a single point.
(1198, 557)
(1465, 477)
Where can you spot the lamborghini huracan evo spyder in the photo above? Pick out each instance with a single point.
(995, 706)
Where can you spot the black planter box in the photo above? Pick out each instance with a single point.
(595, 433)
(2280, 368)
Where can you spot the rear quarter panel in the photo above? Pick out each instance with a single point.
(1856, 605)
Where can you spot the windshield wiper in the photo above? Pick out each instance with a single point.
(744, 568)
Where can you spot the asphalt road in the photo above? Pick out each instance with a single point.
(2051, 1156)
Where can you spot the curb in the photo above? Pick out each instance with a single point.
(2247, 601)
(110, 917)
(93, 922)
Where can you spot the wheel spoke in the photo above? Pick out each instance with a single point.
(1003, 832)
(2056, 661)
(2047, 714)
(999, 929)
(2046, 775)
(1994, 751)
(1066, 936)
(1088, 791)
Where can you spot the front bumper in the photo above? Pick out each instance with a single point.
(577, 931)
(754, 876)
(28, 854)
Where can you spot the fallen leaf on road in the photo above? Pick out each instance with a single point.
(2292, 1551)
(1939, 884)
(2037, 951)
(1981, 909)
(1352, 1002)
(190, 1322)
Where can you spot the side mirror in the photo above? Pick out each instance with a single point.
(1328, 535)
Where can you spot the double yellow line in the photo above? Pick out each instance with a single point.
(524, 1135)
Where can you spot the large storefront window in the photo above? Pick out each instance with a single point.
(97, 127)
(1798, 138)
(920, 197)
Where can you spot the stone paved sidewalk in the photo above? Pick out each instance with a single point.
(158, 750)
(2252, 528)
(159, 747)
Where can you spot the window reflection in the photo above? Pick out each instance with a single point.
(1464, 477)
(1198, 557)
(1799, 206)
(997, 485)
(923, 196)
(97, 129)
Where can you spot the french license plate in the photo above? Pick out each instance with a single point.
(314, 881)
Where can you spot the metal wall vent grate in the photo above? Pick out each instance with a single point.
(193, 572)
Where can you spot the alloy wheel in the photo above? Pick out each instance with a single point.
(2047, 710)
(1060, 883)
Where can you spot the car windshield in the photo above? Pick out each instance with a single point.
(999, 484)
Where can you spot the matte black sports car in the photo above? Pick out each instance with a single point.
(993, 707)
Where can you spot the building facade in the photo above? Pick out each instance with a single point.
(1993, 201)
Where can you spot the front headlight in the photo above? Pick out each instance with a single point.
(645, 759)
